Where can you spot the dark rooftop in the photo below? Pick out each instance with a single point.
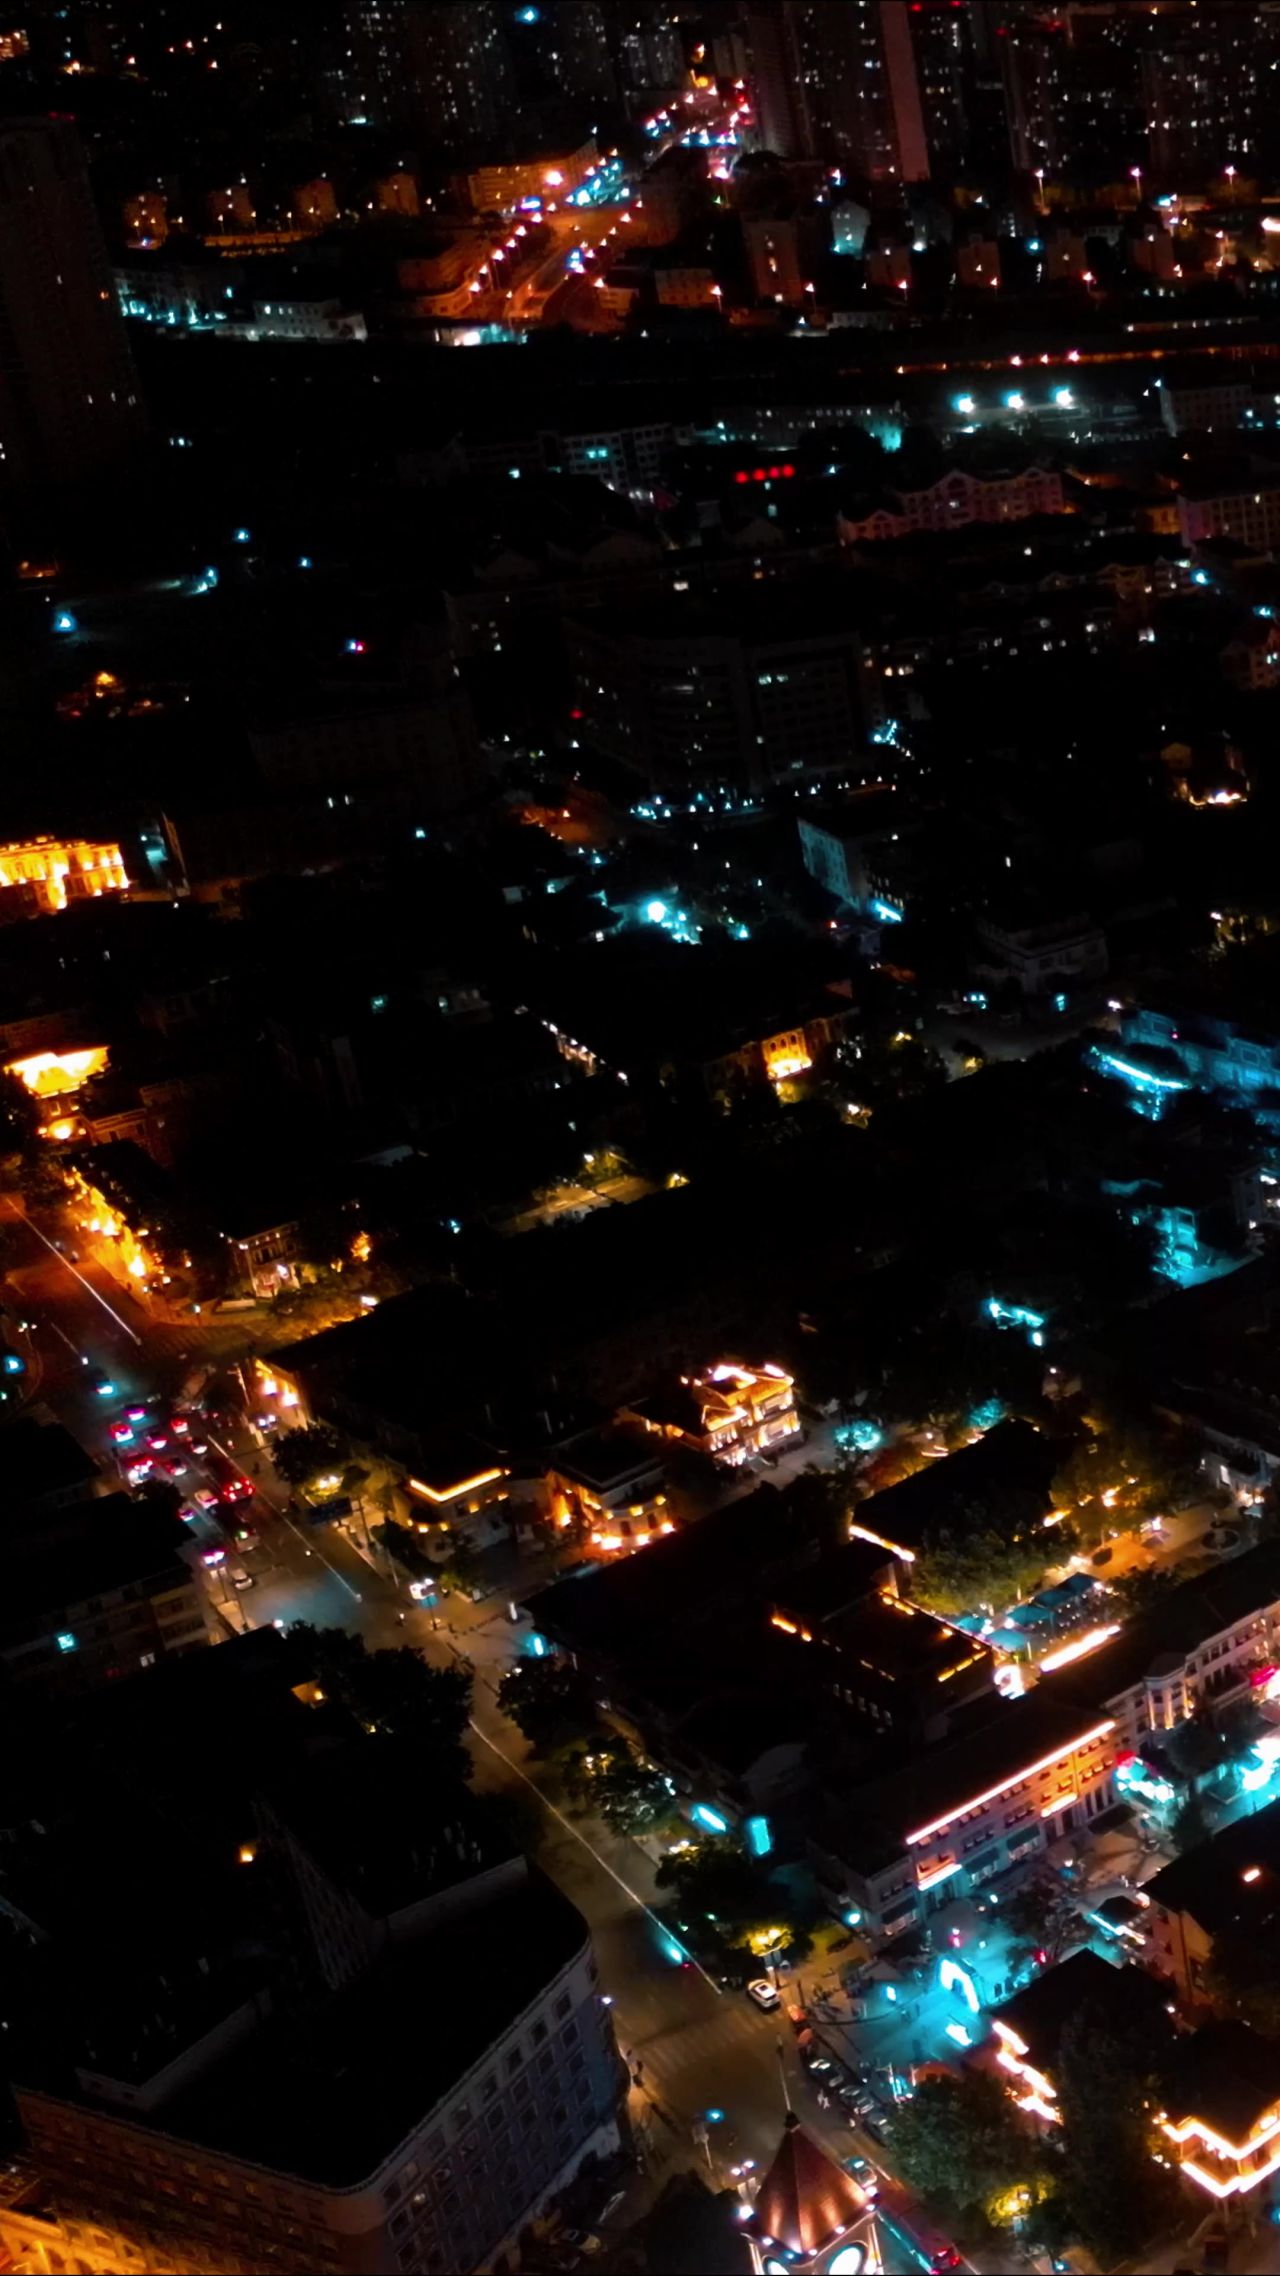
(330, 2095)
(1124, 1999)
(39, 1458)
(601, 1459)
(1208, 1882)
(347, 1811)
(1012, 1458)
(123, 1542)
(1226, 2074)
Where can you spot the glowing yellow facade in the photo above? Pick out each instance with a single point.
(52, 1074)
(63, 869)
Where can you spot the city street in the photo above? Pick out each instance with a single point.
(692, 2048)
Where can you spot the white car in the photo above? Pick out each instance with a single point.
(763, 1992)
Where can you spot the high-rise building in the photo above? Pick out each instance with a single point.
(69, 403)
(647, 45)
(313, 2018)
(840, 80)
(561, 53)
(439, 70)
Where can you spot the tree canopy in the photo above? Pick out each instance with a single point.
(1107, 2093)
(395, 1691)
(301, 1456)
(550, 1702)
(959, 2142)
(607, 1779)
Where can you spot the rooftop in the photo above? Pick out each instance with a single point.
(38, 1457)
(1011, 1459)
(1175, 1626)
(805, 2200)
(346, 1810)
(1233, 1878)
(329, 2094)
(999, 1741)
(121, 1544)
(1226, 2074)
(1124, 1998)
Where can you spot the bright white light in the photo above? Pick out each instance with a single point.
(1064, 398)
(655, 911)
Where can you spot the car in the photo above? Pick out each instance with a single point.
(157, 1440)
(122, 1432)
(174, 1468)
(135, 1472)
(863, 2173)
(180, 1426)
(763, 1993)
(815, 2060)
(240, 1579)
(136, 1414)
(246, 1537)
(213, 1556)
(944, 2260)
(580, 2240)
(101, 1382)
(205, 1499)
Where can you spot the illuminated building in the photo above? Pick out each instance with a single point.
(124, 1205)
(543, 180)
(1196, 402)
(45, 873)
(1230, 1883)
(840, 80)
(1221, 2116)
(956, 500)
(965, 1811)
(440, 69)
(728, 1413)
(810, 2215)
(55, 1078)
(893, 1665)
(698, 697)
(1247, 509)
(1027, 2030)
(1202, 1646)
(612, 1483)
(456, 1484)
(69, 405)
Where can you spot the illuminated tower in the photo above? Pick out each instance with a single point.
(810, 2217)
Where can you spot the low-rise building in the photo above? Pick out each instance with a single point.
(1028, 2029)
(1042, 953)
(104, 1593)
(1230, 1883)
(728, 1413)
(1221, 2115)
(613, 1483)
(43, 874)
(942, 1823)
(957, 499)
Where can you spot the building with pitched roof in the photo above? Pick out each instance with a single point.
(811, 2216)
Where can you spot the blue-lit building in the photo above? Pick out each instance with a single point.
(1206, 1050)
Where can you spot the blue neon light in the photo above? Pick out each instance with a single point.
(1140, 1075)
(703, 1815)
(759, 1836)
(886, 912)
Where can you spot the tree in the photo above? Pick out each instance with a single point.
(957, 1575)
(550, 1702)
(394, 1691)
(1041, 1911)
(1108, 2095)
(726, 1897)
(1243, 1974)
(1189, 1826)
(301, 1456)
(631, 1796)
(959, 2142)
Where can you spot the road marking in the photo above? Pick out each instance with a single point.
(55, 1251)
(602, 1862)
